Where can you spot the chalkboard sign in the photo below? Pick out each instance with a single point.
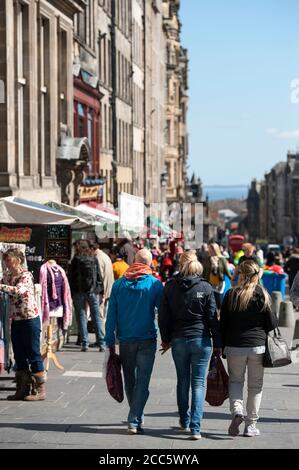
(59, 244)
(58, 232)
(58, 249)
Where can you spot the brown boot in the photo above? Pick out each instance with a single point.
(38, 390)
(23, 382)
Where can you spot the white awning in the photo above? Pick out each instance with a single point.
(14, 210)
(107, 216)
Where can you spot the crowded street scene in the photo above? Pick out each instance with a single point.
(149, 272)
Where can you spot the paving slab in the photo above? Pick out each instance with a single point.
(79, 413)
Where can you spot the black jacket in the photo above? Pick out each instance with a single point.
(85, 276)
(247, 328)
(187, 309)
(292, 267)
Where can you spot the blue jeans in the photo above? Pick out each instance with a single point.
(80, 300)
(137, 358)
(25, 338)
(191, 356)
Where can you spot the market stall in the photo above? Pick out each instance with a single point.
(46, 232)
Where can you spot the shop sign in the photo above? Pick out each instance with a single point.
(88, 193)
(16, 235)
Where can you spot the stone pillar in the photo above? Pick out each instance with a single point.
(286, 314)
(54, 99)
(33, 92)
(276, 301)
(8, 179)
(70, 84)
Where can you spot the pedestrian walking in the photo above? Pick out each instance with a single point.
(187, 322)
(215, 269)
(106, 271)
(126, 249)
(119, 265)
(245, 320)
(87, 287)
(18, 283)
(292, 266)
(249, 254)
(131, 318)
(294, 293)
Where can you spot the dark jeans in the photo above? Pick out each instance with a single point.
(191, 357)
(137, 358)
(25, 337)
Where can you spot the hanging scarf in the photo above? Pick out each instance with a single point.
(137, 270)
(52, 269)
(67, 297)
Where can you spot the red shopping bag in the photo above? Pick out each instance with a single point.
(114, 378)
(217, 382)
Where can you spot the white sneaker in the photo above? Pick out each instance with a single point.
(183, 428)
(251, 431)
(132, 430)
(196, 436)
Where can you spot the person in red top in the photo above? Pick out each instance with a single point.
(273, 263)
(25, 328)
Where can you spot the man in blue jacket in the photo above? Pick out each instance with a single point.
(131, 318)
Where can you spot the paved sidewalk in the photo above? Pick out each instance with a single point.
(79, 413)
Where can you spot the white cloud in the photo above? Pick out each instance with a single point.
(272, 130)
(289, 134)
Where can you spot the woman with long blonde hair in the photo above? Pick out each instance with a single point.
(188, 323)
(215, 270)
(246, 318)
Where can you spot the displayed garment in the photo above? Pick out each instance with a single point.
(56, 298)
(5, 359)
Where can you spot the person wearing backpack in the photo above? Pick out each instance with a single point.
(87, 288)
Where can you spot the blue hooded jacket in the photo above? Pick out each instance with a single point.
(131, 311)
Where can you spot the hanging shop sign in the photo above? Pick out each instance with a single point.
(89, 193)
(16, 235)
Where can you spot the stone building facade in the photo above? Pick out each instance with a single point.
(177, 104)
(273, 204)
(155, 101)
(36, 41)
(83, 96)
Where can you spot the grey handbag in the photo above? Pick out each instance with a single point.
(277, 352)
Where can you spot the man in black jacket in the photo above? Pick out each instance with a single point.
(86, 285)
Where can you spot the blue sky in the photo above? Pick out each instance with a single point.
(243, 56)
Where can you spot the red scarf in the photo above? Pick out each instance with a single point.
(138, 270)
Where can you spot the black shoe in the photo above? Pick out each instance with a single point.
(102, 349)
(140, 429)
(84, 349)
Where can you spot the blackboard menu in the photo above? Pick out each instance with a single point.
(58, 232)
(59, 244)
